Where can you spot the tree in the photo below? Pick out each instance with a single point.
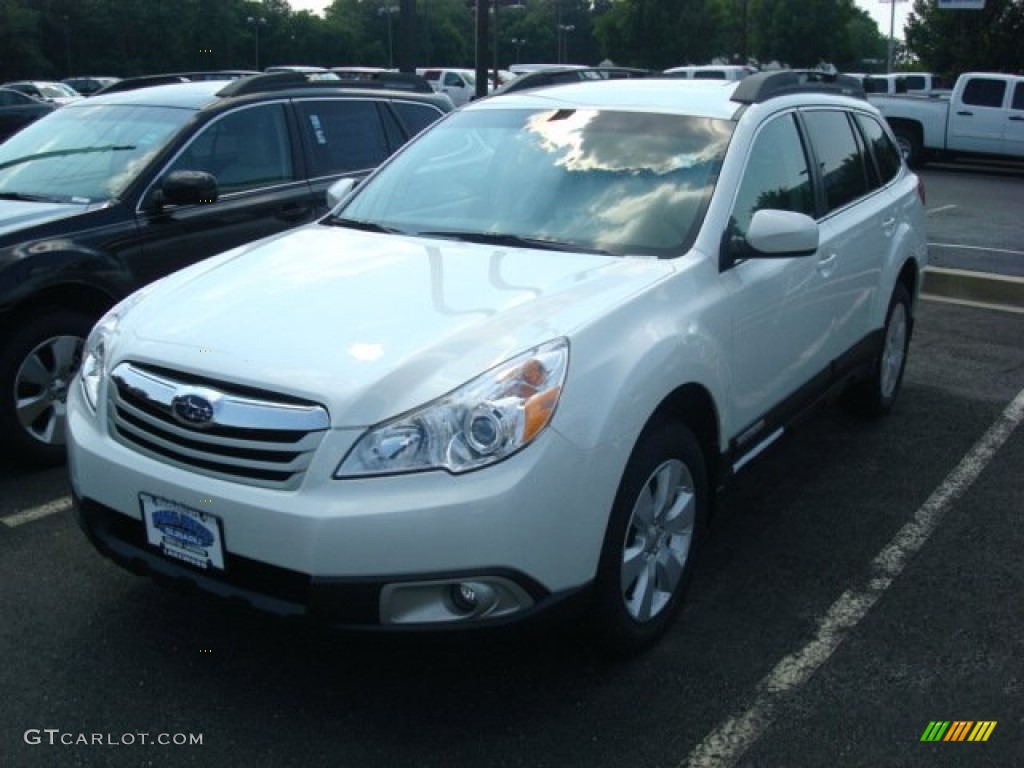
(950, 42)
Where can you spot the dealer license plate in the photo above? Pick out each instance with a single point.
(183, 533)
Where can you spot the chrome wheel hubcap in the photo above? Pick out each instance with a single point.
(657, 542)
(41, 387)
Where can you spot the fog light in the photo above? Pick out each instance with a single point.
(464, 597)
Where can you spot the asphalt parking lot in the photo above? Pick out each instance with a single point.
(862, 581)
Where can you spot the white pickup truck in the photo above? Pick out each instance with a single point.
(983, 116)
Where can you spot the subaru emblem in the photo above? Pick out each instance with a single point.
(192, 409)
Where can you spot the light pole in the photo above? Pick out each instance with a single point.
(257, 22)
(563, 42)
(518, 42)
(389, 11)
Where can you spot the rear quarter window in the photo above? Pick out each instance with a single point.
(885, 153)
(416, 117)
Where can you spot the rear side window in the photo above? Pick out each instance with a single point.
(416, 117)
(776, 175)
(984, 92)
(346, 135)
(886, 154)
(709, 74)
(840, 159)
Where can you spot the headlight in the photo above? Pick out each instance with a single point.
(95, 362)
(480, 423)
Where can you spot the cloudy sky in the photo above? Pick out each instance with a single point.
(879, 11)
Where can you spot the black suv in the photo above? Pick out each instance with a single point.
(105, 195)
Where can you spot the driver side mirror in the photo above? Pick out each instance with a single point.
(340, 190)
(186, 188)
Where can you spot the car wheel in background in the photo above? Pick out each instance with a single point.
(37, 365)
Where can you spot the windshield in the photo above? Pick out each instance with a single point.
(615, 182)
(85, 154)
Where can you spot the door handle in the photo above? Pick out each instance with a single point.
(1017, 118)
(965, 113)
(293, 212)
(827, 264)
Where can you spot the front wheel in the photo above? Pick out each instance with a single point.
(654, 531)
(37, 365)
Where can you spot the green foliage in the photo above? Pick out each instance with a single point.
(951, 42)
(58, 38)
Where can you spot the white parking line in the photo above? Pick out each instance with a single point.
(62, 504)
(731, 739)
(941, 208)
(978, 248)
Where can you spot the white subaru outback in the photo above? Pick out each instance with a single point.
(515, 365)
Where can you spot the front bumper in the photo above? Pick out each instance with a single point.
(367, 552)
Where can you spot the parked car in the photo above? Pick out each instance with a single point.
(459, 84)
(904, 82)
(510, 370)
(173, 78)
(18, 110)
(44, 90)
(544, 77)
(87, 86)
(731, 72)
(984, 115)
(104, 195)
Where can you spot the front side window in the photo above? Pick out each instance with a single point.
(776, 175)
(839, 156)
(346, 135)
(619, 182)
(245, 149)
(87, 153)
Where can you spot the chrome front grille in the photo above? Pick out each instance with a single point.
(248, 437)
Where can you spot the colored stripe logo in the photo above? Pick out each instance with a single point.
(958, 730)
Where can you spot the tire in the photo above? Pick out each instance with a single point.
(37, 365)
(910, 147)
(875, 395)
(654, 533)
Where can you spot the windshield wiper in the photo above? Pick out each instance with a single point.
(514, 241)
(365, 226)
(22, 197)
(66, 152)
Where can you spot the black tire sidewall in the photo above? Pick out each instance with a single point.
(617, 632)
(15, 443)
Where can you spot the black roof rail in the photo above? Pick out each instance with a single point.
(759, 87)
(280, 81)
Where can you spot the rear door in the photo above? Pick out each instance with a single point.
(1013, 134)
(857, 227)
(977, 122)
